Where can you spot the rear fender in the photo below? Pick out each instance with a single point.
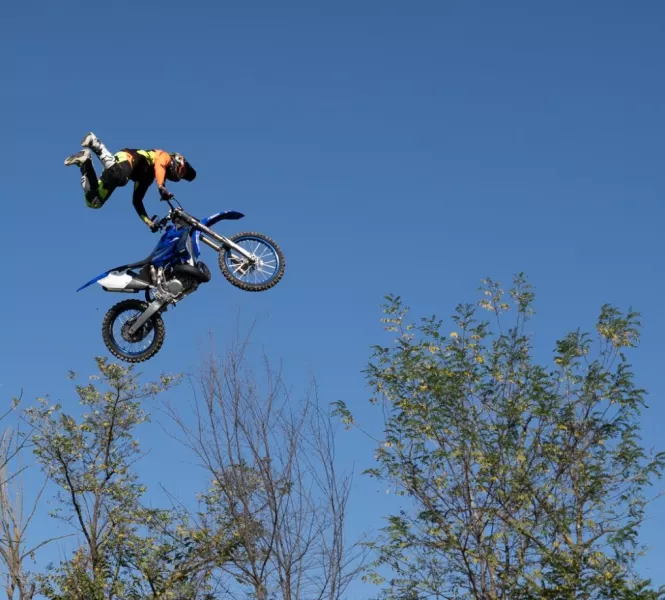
(122, 281)
(118, 281)
(95, 280)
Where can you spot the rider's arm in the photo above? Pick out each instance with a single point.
(140, 189)
(161, 163)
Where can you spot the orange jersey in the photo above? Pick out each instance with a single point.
(146, 166)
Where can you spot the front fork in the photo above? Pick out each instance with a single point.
(226, 242)
(249, 257)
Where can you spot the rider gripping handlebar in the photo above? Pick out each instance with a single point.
(140, 166)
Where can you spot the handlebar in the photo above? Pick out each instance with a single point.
(168, 201)
(161, 223)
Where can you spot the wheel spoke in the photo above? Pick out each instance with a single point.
(129, 347)
(266, 266)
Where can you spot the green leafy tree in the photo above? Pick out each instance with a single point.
(127, 550)
(524, 481)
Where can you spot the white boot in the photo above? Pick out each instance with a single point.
(78, 159)
(92, 141)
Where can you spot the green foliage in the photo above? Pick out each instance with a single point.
(526, 481)
(90, 458)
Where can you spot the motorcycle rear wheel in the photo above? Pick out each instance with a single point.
(141, 346)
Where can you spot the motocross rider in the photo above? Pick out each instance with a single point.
(140, 166)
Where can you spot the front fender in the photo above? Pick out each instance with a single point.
(228, 215)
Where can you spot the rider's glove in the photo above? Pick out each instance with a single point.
(150, 223)
(164, 193)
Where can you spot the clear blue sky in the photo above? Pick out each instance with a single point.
(387, 146)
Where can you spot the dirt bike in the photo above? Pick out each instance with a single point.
(133, 330)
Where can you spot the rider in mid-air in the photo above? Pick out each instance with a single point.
(140, 166)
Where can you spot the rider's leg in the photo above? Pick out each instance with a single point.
(95, 194)
(92, 141)
(97, 190)
(117, 175)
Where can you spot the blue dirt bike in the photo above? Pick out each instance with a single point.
(133, 330)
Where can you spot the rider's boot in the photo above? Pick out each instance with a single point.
(89, 181)
(92, 141)
(78, 159)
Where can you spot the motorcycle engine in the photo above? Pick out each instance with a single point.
(174, 286)
(181, 286)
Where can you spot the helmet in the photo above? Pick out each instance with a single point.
(180, 168)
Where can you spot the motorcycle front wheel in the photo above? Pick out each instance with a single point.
(142, 345)
(259, 275)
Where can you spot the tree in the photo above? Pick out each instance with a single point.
(19, 583)
(523, 481)
(127, 550)
(274, 483)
